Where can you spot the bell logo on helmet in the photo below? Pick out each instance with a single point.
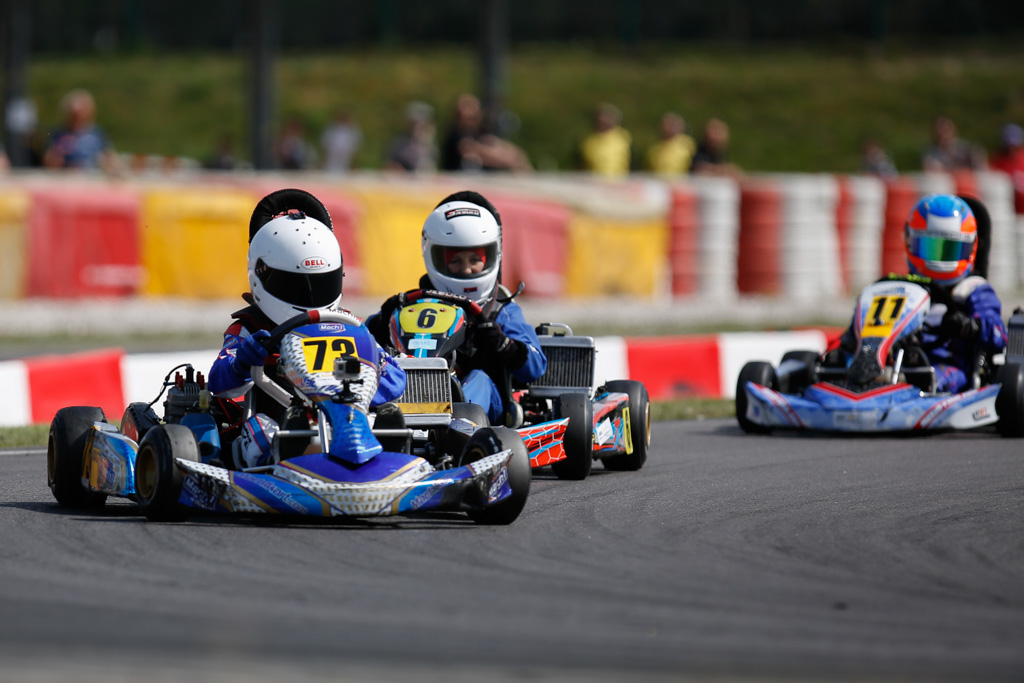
(314, 263)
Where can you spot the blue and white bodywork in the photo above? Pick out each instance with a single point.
(869, 389)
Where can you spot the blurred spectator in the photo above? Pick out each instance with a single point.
(876, 161)
(950, 153)
(468, 147)
(607, 150)
(712, 155)
(5, 165)
(293, 152)
(672, 154)
(415, 150)
(79, 143)
(1009, 158)
(341, 141)
(223, 158)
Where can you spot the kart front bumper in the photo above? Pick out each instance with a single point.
(892, 408)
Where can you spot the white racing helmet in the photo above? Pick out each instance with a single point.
(295, 265)
(457, 226)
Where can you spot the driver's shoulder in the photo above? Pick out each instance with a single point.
(969, 286)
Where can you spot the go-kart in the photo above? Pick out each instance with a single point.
(610, 423)
(564, 421)
(331, 466)
(883, 381)
(426, 329)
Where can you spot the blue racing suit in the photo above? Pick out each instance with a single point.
(527, 365)
(953, 357)
(224, 380)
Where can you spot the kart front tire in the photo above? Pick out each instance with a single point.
(579, 437)
(491, 440)
(1010, 401)
(801, 380)
(65, 456)
(639, 425)
(758, 372)
(158, 480)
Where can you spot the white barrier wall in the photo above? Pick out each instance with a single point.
(718, 206)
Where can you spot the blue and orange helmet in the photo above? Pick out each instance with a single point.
(941, 238)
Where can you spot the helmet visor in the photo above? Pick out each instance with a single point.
(306, 290)
(933, 248)
(464, 263)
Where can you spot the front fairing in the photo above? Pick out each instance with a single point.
(887, 408)
(321, 486)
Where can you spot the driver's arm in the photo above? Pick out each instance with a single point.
(392, 379)
(230, 373)
(514, 325)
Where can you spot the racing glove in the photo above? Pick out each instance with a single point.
(489, 338)
(958, 325)
(249, 353)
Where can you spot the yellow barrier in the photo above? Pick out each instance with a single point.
(194, 242)
(613, 256)
(13, 255)
(389, 238)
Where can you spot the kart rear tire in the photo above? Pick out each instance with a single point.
(579, 437)
(491, 440)
(758, 372)
(802, 380)
(1010, 401)
(65, 456)
(639, 425)
(158, 480)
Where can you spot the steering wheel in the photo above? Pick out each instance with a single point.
(473, 309)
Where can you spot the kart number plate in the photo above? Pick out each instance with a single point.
(427, 318)
(882, 315)
(320, 352)
(429, 344)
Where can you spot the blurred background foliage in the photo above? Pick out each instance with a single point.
(801, 82)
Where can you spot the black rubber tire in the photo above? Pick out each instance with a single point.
(758, 372)
(157, 477)
(65, 456)
(472, 412)
(639, 425)
(811, 359)
(491, 440)
(1010, 401)
(579, 437)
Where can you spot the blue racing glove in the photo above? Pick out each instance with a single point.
(250, 352)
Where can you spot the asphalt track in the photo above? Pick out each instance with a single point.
(728, 557)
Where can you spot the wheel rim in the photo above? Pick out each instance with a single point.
(146, 474)
(51, 461)
(647, 423)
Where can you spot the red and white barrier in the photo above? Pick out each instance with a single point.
(670, 367)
